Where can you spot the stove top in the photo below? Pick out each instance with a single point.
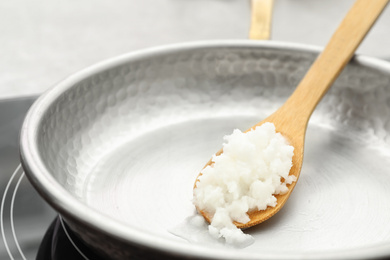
(24, 216)
(30, 228)
(24, 239)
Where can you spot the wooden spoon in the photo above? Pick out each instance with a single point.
(291, 119)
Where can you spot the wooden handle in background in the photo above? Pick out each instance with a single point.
(261, 18)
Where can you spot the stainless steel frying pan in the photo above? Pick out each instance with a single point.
(115, 149)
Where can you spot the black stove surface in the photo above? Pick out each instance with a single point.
(59, 243)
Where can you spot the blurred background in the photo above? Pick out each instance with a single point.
(43, 41)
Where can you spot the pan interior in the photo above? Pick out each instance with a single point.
(148, 183)
(130, 141)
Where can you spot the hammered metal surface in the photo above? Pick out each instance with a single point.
(128, 141)
(108, 109)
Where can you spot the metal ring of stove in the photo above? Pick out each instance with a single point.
(18, 175)
(70, 239)
(3, 201)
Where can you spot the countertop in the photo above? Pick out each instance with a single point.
(43, 41)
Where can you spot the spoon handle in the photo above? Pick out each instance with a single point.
(332, 60)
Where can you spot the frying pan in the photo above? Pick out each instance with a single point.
(115, 149)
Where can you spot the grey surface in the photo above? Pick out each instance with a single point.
(25, 216)
(43, 41)
(116, 149)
